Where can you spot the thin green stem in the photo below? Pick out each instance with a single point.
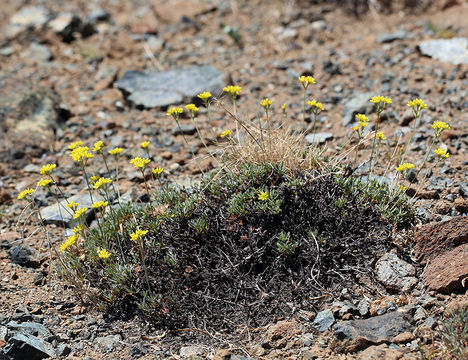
(373, 142)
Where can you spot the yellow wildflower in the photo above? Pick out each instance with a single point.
(225, 133)
(380, 136)
(157, 171)
(306, 81)
(103, 253)
(75, 144)
(69, 242)
(94, 178)
(440, 126)
(138, 234)
(72, 205)
(47, 169)
(80, 153)
(204, 95)
(266, 103)
(283, 107)
(362, 117)
(102, 181)
(263, 195)
(417, 103)
(100, 204)
(402, 188)
(315, 105)
(380, 99)
(233, 90)
(79, 228)
(192, 108)
(44, 182)
(404, 166)
(80, 212)
(116, 151)
(442, 152)
(139, 162)
(25, 193)
(175, 111)
(145, 144)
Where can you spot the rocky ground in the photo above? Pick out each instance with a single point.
(107, 70)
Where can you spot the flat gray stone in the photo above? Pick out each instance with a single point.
(396, 274)
(25, 346)
(453, 50)
(359, 104)
(397, 35)
(191, 351)
(39, 52)
(154, 89)
(61, 215)
(318, 138)
(109, 342)
(324, 320)
(31, 328)
(31, 16)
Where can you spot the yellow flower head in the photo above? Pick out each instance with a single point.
(417, 103)
(81, 153)
(94, 178)
(174, 112)
(116, 151)
(102, 182)
(204, 95)
(47, 169)
(157, 171)
(381, 99)
(138, 234)
(283, 107)
(80, 212)
(362, 117)
(442, 152)
(380, 136)
(225, 133)
(69, 242)
(263, 195)
(103, 253)
(233, 90)
(75, 144)
(79, 228)
(145, 144)
(192, 108)
(266, 103)
(72, 205)
(402, 188)
(404, 167)
(440, 126)
(315, 105)
(306, 81)
(44, 182)
(100, 204)
(98, 146)
(140, 163)
(25, 193)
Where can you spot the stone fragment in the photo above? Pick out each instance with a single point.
(282, 329)
(39, 53)
(381, 352)
(28, 17)
(186, 129)
(449, 271)
(153, 89)
(355, 335)
(453, 50)
(31, 328)
(24, 256)
(109, 342)
(318, 138)
(173, 10)
(25, 346)
(396, 274)
(191, 351)
(324, 320)
(360, 103)
(388, 38)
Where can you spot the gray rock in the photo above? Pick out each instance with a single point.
(396, 274)
(355, 335)
(152, 89)
(62, 350)
(109, 342)
(155, 43)
(238, 357)
(98, 15)
(39, 52)
(31, 168)
(24, 256)
(453, 50)
(25, 346)
(419, 314)
(360, 103)
(318, 138)
(324, 320)
(65, 25)
(4, 333)
(7, 51)
(59, 214)
(32, 328)
(363, 307)
(397, 35)
(31, 16)
(191, 351)
(186, 129)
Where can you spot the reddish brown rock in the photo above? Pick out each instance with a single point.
(437, 238)
(449, 271)
(461, 205)
(381, 352)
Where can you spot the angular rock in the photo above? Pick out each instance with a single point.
(59, 214)
(453, 50)
(31, 16)
(24, 256)
(25, 346)
(153, 89)
(31, 328)
(388, 38)
(380, 352)
(174, 10)
(186, 129)
(360, 103)
(436, 238)
(449, 271)
(39, 52)
(324, 320)
(67, 24)
(191, 351)
(396, 274)
(355, 335)
(109, 342)
(318, 138)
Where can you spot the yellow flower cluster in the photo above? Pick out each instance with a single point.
(44, 182)
(140, 163)
(266, 103)
(103, 253)
(75, 144)
(233, 90)
(145, 144)
(102, 181)
(442, 152)
(116, 151)
(80, 153)
(380, 99)
(225, 133)
(316, 105)
(79, 228)
(306, 81)
(175, 111)
(80, 212)
(100, 204)
(204, 95)
(363, 121)
(157, 171)
(283, 107)
(417, 103)
(380, 136)
(263, 195)
(98, 146)
(47, 169)
(404, 166)
(440, 126)
(192, 108)
(25, 193)
(138, 234)
(69, 242)
(72, 205)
